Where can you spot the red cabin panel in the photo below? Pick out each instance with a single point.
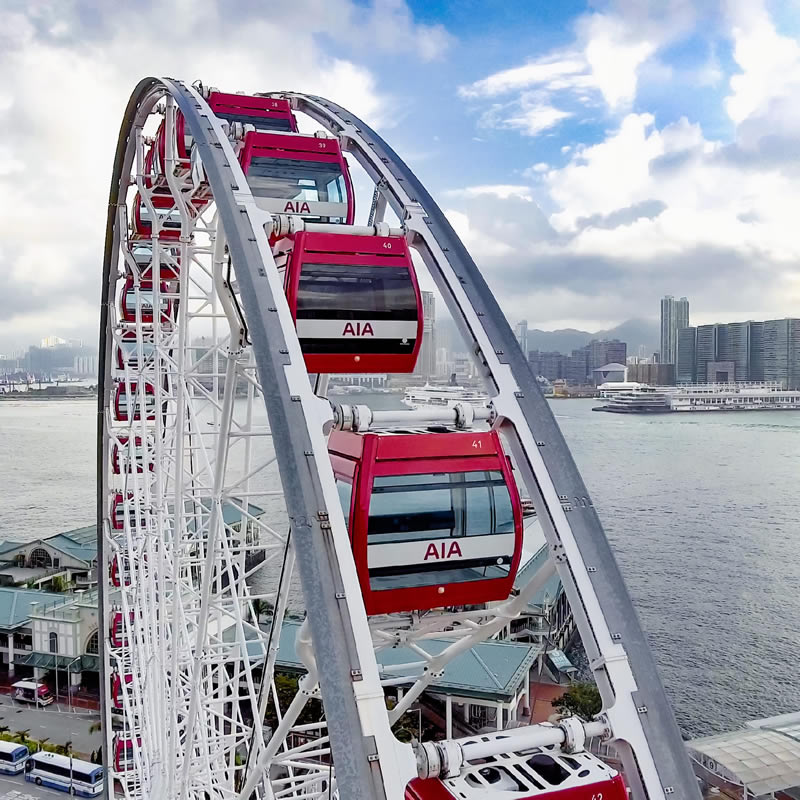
(123, 752)
(537, 774)
(123, 457)
(443, 530)
(119, 571)
(118, 638)
(118, 512)
(128, 304)
(116, 690)
(355, 301)
(303, 175)
(121, 402)
(264, 113)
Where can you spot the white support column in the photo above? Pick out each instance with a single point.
(10, 654)
(500, 715)
(449, 716)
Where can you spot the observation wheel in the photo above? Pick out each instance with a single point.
(241, 514)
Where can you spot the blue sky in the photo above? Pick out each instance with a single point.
(592, 155)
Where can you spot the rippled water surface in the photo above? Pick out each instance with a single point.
(702, 511)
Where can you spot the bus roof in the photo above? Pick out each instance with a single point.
(64, 761)
(10, 747)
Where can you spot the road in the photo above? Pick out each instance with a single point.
(57, 726)
(13, 787)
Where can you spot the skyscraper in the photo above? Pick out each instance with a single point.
(674, 316)
(521, 332)
(685, 370)
(426, 362)
(706, 351)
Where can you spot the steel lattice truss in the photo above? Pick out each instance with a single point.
(201, 538)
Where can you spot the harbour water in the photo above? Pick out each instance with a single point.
(702, 511)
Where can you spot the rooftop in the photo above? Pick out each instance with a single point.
(15, 605)
(491, 670)
(764, 756)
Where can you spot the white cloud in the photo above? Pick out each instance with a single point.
(536, 119)
(68, 72)
(503, 191)
(603, 65)
(555, 70)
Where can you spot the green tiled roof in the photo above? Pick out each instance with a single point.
(552, 587)
(491, 670)
(15, 605)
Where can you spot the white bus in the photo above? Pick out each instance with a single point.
(66, 774)
(12, 757)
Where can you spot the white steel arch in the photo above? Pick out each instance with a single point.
(184, 655)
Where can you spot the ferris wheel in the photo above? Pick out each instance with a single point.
(241, 512)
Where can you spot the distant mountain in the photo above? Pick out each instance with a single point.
(634, 332)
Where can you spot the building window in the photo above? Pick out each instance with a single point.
(93, 643)
(56, 562)
(40, 558)
(53, 642)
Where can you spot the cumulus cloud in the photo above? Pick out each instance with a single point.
(602, 67)
(68, 70)
(665, 209)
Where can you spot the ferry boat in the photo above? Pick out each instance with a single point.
(443, 396)
(733, 397)
(638, 401)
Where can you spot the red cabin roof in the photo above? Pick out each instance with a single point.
(303, 175)
(435, 519)
(265, 113)
(355, 301)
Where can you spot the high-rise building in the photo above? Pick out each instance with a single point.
(521, 332)
(426, 362)
(705, 350)
(780, 351)
(733, 344)
(674, 316)
(549, 365)
(685, 368)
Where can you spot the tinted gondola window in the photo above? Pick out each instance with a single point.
(335, 291)
(292, 179)
(410, 507)
(445, 507)
(259, 123)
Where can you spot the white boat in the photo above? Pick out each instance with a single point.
(443, 396)
(638, 401)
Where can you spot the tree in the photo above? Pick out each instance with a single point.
(581, 699)
(286, 687)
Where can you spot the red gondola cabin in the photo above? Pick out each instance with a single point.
(124, 456)
(128, 351)
(119, 571)
(355, 301)
(124, 752)
(434, 518)
(118, 637)
(303, 175)
(142, 252)
(116, 690)
(263, 113)
(118, 512)
(128, 401)
(144, 294)
(537, 774)
(168, 214)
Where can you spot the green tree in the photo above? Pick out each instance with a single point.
(286, 688)
(581, 699)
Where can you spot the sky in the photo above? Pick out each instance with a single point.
(593, 156)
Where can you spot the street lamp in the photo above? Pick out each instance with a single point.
(68, 746)
(69, 686)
